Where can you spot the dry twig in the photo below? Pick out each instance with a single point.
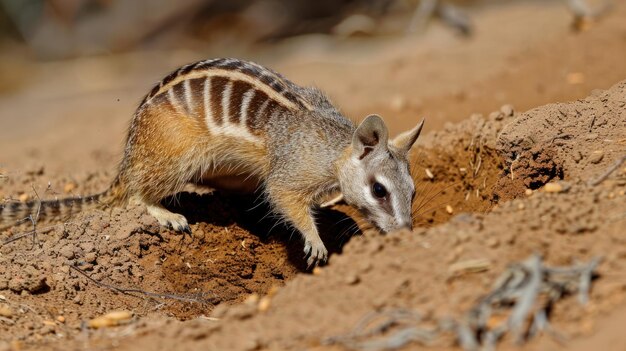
(607, 173)
(526, 291)
(132, 292)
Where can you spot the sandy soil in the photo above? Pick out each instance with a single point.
(239, 282)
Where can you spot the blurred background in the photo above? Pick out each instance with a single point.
(73, 71)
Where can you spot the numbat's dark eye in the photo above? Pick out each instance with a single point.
(379, 190)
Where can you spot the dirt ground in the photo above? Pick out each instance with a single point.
(504, 118)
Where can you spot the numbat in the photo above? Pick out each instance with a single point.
(235, 124)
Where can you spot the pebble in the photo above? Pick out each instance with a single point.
(355, 25)
(596, 156)
(528, 192)
(591, 136)
(264, 303)
(553, 188)
(5, 311)
(470, 266)
(352, 279)
(252, 299)
(91, 257)
(69, 187)
(88, 246)
(67, 252)
(578, 156)
(111, 319)
(508, 110)
(496, 115)
(449, 209)
(61, 319)
(23, 197)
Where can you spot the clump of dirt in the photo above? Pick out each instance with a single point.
(582, 137)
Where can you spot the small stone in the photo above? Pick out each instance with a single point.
(596, 156)
(429, 174)
(252, 299)
(69, 187)
(78, 299)
(61, 319)
(5, 311)
(87, 246)
(23, 197)
(47, 329)
(591, 136)
(67, 252)
(449, 209)
(355, 25)
(90, 257)
(577, 156)
(521, 206)
(508, 110)
(111, 319)
(496, 115)
(470, 266)
(352, 279)
(528, 192)
(553, 188)
(264, 303)
(317, 270)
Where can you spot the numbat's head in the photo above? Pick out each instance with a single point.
(375, 177)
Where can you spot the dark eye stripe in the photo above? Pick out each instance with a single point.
(379, 190)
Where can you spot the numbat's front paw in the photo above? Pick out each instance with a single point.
(179, 224)
(169, 219)
(315, 253)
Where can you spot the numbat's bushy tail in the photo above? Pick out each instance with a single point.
(233, 124)
(57, 210)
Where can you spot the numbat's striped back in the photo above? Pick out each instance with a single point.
(231, 96)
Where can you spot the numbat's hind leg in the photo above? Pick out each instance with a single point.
(169, 219)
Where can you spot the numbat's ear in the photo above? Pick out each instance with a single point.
(369, 135)
(405, 140)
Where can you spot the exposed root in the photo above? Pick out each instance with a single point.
(526, 291)
(134, 292)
